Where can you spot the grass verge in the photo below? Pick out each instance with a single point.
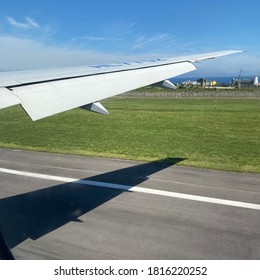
(209, 133)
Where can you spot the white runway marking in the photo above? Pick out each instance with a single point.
(134, 189)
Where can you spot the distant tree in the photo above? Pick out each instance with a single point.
(201, 81)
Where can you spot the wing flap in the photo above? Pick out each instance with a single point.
(45, 99)
(7, 98)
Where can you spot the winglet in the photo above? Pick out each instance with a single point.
(95, 107)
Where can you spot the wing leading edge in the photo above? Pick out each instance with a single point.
(43, 93)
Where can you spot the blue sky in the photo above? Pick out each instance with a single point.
(40, 34)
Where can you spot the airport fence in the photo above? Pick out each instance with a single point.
(181, 94)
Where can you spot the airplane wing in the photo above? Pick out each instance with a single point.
(43, 93)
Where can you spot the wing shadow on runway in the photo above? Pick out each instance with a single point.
(35, 214)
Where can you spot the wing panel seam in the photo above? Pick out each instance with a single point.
(94, 74)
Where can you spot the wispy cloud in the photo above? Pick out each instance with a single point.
(160, 43)
(144, 41)
(27, 24)
(29, 27)
(97, 38)
(32, 22)
(120, 28)
(111, 37)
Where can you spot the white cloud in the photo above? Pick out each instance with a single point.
(28, 24)
(27, 53)
(23, 53)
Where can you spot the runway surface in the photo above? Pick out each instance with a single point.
(56, 206)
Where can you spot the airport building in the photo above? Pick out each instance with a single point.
(246, 82)
(233, 82)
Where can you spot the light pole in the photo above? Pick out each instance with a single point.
(239, 78)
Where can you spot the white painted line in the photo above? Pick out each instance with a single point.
(65, 179)
(204, 186)
(134, 189)
(199, 198)
(48, 166)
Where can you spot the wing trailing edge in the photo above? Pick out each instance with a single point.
(7, 98)
(46, 99)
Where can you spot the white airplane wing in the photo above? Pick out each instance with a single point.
(43, 93)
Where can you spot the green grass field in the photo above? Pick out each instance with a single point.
(210, 133)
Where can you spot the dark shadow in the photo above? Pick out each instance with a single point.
(35, 214)
(5, 253)
(135, 175)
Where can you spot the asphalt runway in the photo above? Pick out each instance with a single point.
(56, 206)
